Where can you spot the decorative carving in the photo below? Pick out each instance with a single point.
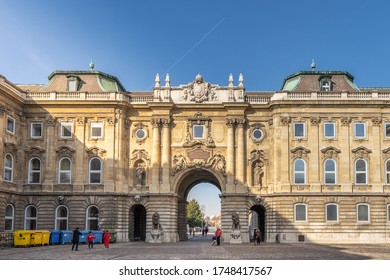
(257, 155)
(330, 152)
(346, 120)
(60, 199)
(140, 174)
(140, 155)
(156, 221)
(199, 91)
(236, 228)
(110, 120)
(315, 120)
(284, 120)
(137, 199)
(216, 162)
(63, 151)
(271, 122)
(50, 120)
(256, 132)
(10, 148)
(236, 221)
(376, 120)
(157, 230)
(140, 132)
(199, 119)
(386, 152)
(35, 151)
(258, 174)
(198, 153)
(95, 151)
(300, 152)
(361, 152)
(80, 120)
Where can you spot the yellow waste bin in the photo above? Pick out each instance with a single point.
(22, 238)
(45, 237)
(36, 238)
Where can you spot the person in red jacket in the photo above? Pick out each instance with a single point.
(218, 234)
(90, 239)
(106, 239)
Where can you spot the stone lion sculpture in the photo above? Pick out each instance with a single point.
(236, 221)
(156, 221)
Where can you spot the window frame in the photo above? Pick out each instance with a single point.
(30, 171)
(11, 218)
(295, 171)
(59, 219)
(62, 126)
(388, 212)
(330, 172)
(90, 172)
(295, 212)
(303, 130)
(60, 171)
(31, 130)
(334, 130)
(13, 121)
(328, 86)
(368, 213)
(29, 219)
(89, 218)
(387, 172)
(203, 131)
(361, 172)
(365, 130)
(326, 213)
(384, 129)
(96, 125)
(7, 168)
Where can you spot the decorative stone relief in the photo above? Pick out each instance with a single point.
(35, 151)
(10, 148)
(110, 120)
(80, 120)
(95, 151)
(300, 152)
(157, 230)
(216, 162)
(65, 151)
(140, 154)
(257, 155)
(361, 152)
(199, 120)
(376, 120)
(315, 120)
(284, 120)
(50, 120)
(257, 133)
(386, 152)
(236, 229)
(330, 152)
(199, 91)
(346, 120)
(140, 132)
(140, 174)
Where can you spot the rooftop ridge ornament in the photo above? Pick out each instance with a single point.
(91, 65)
(230, 80)
(241, 80)
(157, 80)
(167, 80)
(313, 65)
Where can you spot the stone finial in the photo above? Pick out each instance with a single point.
(157, 80)
(313, 65)
(91, 65)
(230, 80)
(167, 80)
(241, 80)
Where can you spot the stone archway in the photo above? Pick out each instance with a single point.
(258, 220)
(137, 223)
(189, 179)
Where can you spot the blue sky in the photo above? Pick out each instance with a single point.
(207, 196)
(134, 40)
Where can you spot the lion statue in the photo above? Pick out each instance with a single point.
(156, 221)
(236, 221)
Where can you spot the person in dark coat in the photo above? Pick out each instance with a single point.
(76, 239)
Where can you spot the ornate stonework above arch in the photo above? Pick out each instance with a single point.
(386, 153)
(65, 151)
(216, 162)
(139, 154)
(361, 152)
(330, 152)
(10, 148)
(258, 155)
(300, 152)
(199, 91)
(35, 151)
(96, 151)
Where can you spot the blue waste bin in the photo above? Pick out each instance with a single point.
(98, 236)
(83, 236)
(66, 236)
(54, 237)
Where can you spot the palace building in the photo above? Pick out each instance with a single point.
(309, 162)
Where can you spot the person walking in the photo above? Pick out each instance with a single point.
(218, 234)
(90, 239)
(257, 237)
(76, 239)
(106, 239)
(206, 230)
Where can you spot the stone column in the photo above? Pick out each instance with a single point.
(156, 151)
(376, 162)
(314, 168)
(285, 164)
(80, 160)
(230, 186)
(166, 154)
(48, 175)
(240, 162)
(346, 166)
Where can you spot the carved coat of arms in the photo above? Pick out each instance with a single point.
(199, 91)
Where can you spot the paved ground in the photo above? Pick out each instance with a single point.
(199, 248)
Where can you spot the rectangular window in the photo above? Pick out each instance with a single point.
(360, 130)
(331, 213)
(10, 124)
(299, 130)
(363, 213)
(387, 130)
(300, 213)
(72, 85)
(36, 130)
(66, 130)
(96, 129)
(198, 131)
(329, 130)
(388, 213)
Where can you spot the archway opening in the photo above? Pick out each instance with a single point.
(137, 229)
(257, 221)
(202, 186)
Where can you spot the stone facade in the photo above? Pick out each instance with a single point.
(311, 160)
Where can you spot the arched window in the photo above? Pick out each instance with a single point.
(387, 172)
(332, 212)
(299, 172)
(8, 168)
(9, 218)
(388, 212)
(330, 171)
(34, 171)
(300, 210)
(65, 171)
(363, 213)
(95, 171)
(61, 222)
(360, 172)
(92, 218)
(30, 218)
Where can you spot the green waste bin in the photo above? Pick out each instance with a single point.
(112, 237)
(36, 238)
(22, 238)
(45, 237)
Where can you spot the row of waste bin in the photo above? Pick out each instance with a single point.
(27, 238)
